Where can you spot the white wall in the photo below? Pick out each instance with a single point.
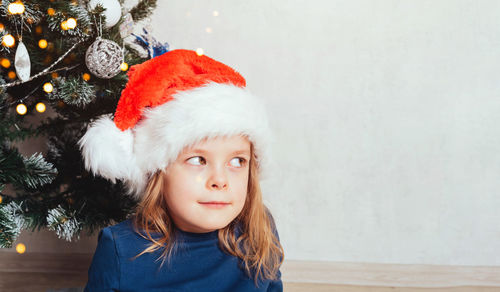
(386, 118)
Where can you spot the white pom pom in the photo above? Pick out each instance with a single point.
(107, 150)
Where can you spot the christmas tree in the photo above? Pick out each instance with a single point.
(72, 57)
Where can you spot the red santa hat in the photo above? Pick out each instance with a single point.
(172, 101)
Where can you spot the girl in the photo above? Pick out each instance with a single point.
(190, 143)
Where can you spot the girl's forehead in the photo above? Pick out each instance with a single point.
(220, 143)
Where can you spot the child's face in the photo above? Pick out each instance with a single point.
(206, 187)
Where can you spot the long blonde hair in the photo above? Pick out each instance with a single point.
(258, 245)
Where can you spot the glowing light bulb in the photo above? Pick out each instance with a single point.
(42, 43)
(71, 23)
(124, 66)
(2, 27)
(1, 199)
(64, 25)
(51, 11)
(20, 248)
(199, 51)
(5, 63)
(48, 87)
(86, 76)
(38, 29)
(54, 75)
(208, 30)
(8, 40)
(21, 109)
(16, 7)
(216, 13)
(40, 107)
(11, 75)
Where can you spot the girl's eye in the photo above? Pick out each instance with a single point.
(240, 161)
(197, 160)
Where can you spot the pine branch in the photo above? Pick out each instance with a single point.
(143, 9)
(74, 91)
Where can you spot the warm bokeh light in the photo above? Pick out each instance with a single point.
(124, 66)
(42, 43)
(208, 30)
(51, 11)
(48, 87)
(216, 13)
(1, 199)
(40, 107)
(2, 27)
(5, 63)
(20, 248)
(38, 29)
(16, 7)
(21, 109)
(71, 23)
(8, 40)
(11, 75)
(199, 51)
(54, 75)
(64, 25)
(86, 76)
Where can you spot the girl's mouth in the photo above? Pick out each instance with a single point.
(215, 204)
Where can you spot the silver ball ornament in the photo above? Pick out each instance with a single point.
(103, 58)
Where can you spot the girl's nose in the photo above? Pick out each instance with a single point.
(218, 179)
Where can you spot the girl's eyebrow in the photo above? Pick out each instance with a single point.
(247, 152)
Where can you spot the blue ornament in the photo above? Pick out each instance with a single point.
(151, 45)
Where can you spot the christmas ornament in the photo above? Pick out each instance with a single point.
(150, 44)
(22, 62)
(127, 26)
(113, 10)
(104, 58)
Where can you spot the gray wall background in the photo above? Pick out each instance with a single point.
(386, 117)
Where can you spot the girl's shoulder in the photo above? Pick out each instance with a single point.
(125, 238)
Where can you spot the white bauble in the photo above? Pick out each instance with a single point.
(113, 10)
(103, 58)
(22, 62)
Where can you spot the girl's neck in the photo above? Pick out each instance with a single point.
(196, 236)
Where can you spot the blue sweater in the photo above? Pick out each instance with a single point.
(197, 265)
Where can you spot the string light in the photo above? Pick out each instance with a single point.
(64, 25)
(16, 7)
(8, 40)
(86, 76)
(5, 63)
(42, 43)
(38, 29)
(40, 107)
(1, 199)
(51, 11)
(2, 27)
(216, 13)
(54, 75)
(124, 66)
(21, 109)
(71, 23)
(20, 248)
(48, 87)
(199, 51)
(11, 75)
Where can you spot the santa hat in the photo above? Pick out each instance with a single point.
(172, 101)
